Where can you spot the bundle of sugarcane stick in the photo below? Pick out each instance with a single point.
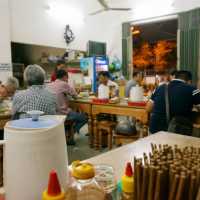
(168, 173)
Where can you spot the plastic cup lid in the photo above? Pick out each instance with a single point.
(28, 123)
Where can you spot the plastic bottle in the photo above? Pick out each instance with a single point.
(127, 183)
(105, 177)
(84, 186)
(54, 191)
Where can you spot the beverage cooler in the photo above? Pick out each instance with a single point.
(90, 67)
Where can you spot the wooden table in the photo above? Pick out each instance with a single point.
(93, 109)
(117, 158)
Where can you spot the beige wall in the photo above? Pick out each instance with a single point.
(30, 23)
(5, 48)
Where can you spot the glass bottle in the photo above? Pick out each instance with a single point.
(106, 179)
(84, 186)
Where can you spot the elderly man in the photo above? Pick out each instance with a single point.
(8, 89)
(36, 97)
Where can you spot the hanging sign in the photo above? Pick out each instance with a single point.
(5, 67)
(5, 71)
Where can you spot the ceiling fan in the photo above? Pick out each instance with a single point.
(107, 8)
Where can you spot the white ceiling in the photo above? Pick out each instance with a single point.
(88, 6)
(141, 9)
(135, 3)
(32, 24)
(91, 5)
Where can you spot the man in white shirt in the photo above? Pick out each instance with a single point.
(104, 78)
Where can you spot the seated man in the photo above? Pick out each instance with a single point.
(136, 80)
(62, 89)
(104, 78)
(36, 97)
(8, 89)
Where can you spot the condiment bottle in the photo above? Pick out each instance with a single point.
(104, 175)
(54, 191)
(127, 183)
(84, 186)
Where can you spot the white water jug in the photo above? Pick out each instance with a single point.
(103, 92)
(31, 150)
(136, 94)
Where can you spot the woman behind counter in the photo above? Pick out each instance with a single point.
(59, 65)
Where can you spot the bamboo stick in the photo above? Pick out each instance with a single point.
(198, 176)
(192, 187)
(139, 179)
(151, 183)
(135, 179)
(198, 194)
(152, 147)
(171, 176)
(165, 183)
(181, 187)
(145, 159)
(180, 177)
(172, 192)
(186, 191)
(157, 194)
(145, 182)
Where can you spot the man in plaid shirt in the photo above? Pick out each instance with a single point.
(36, 97)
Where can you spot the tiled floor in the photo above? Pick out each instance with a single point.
(81, 150)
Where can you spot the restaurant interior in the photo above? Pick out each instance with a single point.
(100, 100)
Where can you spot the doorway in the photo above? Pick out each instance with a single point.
(154, 46)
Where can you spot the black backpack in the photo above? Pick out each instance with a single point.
(178, 124)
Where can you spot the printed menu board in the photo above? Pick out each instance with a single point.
(5, 71)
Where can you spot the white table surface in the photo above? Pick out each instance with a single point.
(117, 158)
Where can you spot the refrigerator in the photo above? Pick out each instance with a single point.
(90, 67)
